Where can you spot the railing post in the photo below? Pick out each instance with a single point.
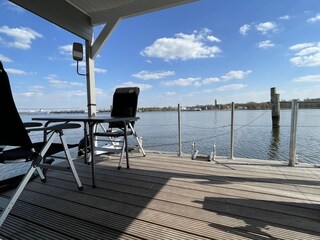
(179, 131)
(232, 135)
(293, 133)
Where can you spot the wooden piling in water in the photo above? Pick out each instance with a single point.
(275, 101)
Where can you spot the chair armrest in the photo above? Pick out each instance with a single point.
(32, 124)
(56, 127)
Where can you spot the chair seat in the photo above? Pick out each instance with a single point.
(113, 133)
(16, 154)
(54, 147)
(24, 154)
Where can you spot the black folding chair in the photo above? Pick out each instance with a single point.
(19, 147)
(125, 104)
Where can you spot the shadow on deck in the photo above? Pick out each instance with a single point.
(166, 197)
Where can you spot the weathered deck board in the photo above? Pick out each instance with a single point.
(165, 197)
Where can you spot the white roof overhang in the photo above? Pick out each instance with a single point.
(80, 16)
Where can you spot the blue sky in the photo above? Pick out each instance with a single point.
(232, 51)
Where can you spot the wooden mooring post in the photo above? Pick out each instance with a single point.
(275, 101)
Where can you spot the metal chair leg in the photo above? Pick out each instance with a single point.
(10, 203)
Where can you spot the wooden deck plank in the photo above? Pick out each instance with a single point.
(19, 228)
(255, 171)
(249, 165)
(206, 182)
(143, 188)
(197, 229)
(266, 182)
(175, 198)
(277, 189)
(180, 184)
(192, 212)
(70, 214)
(165, 197)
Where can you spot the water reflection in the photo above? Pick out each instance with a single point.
(274, 146)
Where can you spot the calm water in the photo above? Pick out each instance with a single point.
(253, 136)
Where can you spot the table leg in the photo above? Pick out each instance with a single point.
(85, 143)
(126, 144)
(91, 126)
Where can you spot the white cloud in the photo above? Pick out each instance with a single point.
(197, 81)
(285, 17)
(231, 87)
(16, 71)
(31, 94)
(308, 78)
(263, 28)
(306, 54)
(304, 93)
(55, 82)
(51, 76)
(265, 44)
(266, 27)
(300, 46)
(65, 96)
(34, 91)
(66, 50)
(170, 93)
(213, 39)
(100, 92)
(4, 58)
(244, 29)
(314, 19)
(180, 82)
(82, 66)
(22, 37)
(197, 84)
(210, 80)
(183, 47)
(100, 70)
(146, 75)
(235, 75)
(50, 98)
(133, 84)
(253, 96)
(37, 87)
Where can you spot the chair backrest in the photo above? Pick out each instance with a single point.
(125, 104)
(10, 121)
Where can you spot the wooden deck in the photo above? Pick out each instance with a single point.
(165, 197)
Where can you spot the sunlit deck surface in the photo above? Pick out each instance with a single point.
(163, 196)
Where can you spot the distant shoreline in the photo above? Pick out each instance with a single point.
(306, 104)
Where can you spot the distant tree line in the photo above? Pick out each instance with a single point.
(304, 104)
(67, 111)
